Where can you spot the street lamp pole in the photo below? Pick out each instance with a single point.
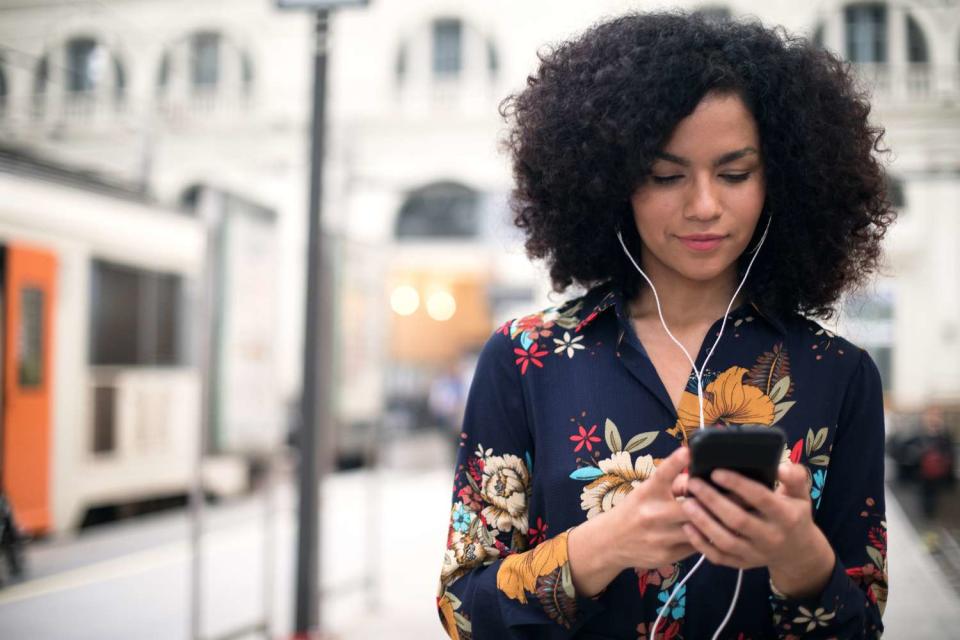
(315, 413)
(315, 407)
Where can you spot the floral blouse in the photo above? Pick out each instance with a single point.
(566, 415)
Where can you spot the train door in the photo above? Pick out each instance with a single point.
(26, 308)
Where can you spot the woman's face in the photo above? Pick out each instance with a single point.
(698, 208)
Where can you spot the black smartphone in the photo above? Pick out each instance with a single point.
(754, 451)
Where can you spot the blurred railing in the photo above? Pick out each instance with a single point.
(912, 83)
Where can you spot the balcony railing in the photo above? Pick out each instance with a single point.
(915, 83)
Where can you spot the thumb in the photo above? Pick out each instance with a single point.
(671, 467)
(795, 480)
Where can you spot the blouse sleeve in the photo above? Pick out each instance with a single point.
(851, 515)
(492, 583)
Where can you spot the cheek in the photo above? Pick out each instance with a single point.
(651, 212)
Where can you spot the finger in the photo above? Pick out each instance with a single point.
(795, 480)
(716, 557)
(670, 468)
(753, 493)
(672, 513)
(679, 486)
(723, 509)
(719, 536)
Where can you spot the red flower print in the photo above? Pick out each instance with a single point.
(585, 438)
(504, 328)
(878, 538)
(796, 451)
(470, 498)
(538, 533)
(535, 327)
(530, 355)
(664, 631)
(475, 469)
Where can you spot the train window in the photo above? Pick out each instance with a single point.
(135, 316)
(104, 419)
(30, 347)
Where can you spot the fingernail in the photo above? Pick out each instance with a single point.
(719, 476)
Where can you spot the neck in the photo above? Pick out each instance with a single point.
(685, 303)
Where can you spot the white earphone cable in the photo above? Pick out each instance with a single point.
(699, 375)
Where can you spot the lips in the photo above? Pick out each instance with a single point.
(702, 242)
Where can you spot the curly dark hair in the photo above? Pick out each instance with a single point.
(584, 132)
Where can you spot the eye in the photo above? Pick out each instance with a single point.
(735, 177)
(665, 179)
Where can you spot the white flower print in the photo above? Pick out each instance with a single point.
(568, 344)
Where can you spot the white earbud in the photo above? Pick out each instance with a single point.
(699, 375)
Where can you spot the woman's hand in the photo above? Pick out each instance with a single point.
(649, 519)
(780, 534)
(643, 531)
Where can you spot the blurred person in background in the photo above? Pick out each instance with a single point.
(936, 460)
(680, 143)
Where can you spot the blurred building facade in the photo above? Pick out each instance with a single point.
(206, 104)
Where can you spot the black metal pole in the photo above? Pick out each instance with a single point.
(314, 413)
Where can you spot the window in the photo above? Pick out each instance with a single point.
(400, 66)
(447, 40)
(818, 36)
(246, 72)
(866, 29)
(163, 74)
(84, 65)
(714, 13)
(895, 189)
(120, 79)
(205, 60)
(916, 42)
(135, 316)
(30, 338)
(40, 78)
(104, 419)
(443, 210)
(3, 89)
(493, 59)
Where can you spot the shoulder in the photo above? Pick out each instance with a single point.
(529, 340)
(837, 355)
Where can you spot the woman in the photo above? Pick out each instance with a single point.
(714, 186)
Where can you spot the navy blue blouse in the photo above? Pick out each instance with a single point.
(567, 414)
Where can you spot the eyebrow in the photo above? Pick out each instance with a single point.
(724, 159)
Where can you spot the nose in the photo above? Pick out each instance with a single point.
(704, 200)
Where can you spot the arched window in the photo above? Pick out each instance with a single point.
(204, 70)
(204, 60)
(441, 210)
(916, 42)
(85, 65)
(866, 31)
(447, 47)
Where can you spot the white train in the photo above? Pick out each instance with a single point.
(101, 401)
